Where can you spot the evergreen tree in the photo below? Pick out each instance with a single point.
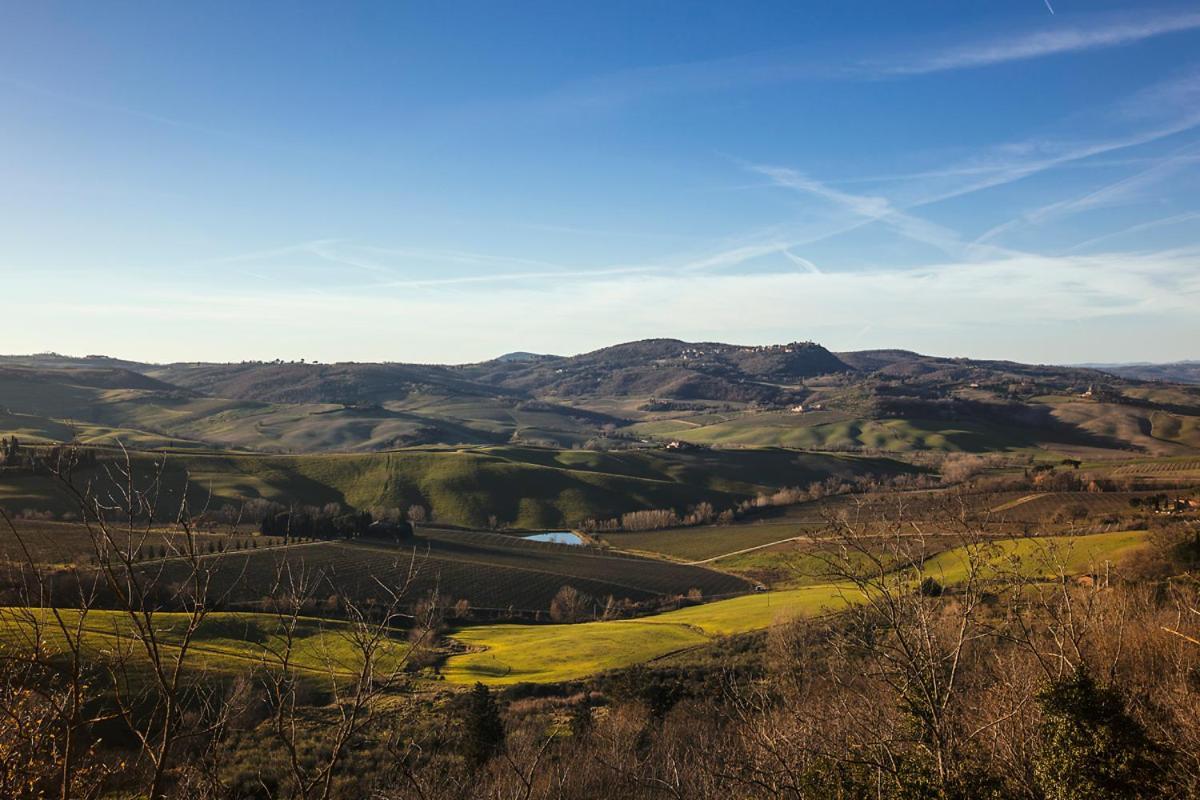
(1091, 746)
(484, 730)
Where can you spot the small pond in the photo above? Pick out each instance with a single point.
(558, 537)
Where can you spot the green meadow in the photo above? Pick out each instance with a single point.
(505, 654)
(522, 487)
(226, 642)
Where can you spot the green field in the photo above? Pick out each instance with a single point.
(523, 487)
(92, 407)
(1042, 506)
(512, 654)
(828, 431)
(226, 643)
(1155, 431)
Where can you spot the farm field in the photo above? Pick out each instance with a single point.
(1044, 506)
(708, 541)
(830, 431)
(1178, 469)
(491, 571)
(60, 543)
(226, 643)
(782, 566)
(506, 654)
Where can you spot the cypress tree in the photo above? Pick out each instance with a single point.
(484, 730)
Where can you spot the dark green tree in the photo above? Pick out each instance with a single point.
(1090, 746)
(483, 736)
(930, 587)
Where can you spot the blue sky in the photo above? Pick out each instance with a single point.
(447, 182)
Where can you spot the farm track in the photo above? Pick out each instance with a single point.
(1014, 503)
(749, 550)
(819, 539)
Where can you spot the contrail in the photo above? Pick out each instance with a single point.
(1050, 7)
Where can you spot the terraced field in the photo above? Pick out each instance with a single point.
(505, 654)
(1165, 469)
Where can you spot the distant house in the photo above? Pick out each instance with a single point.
(798, 409)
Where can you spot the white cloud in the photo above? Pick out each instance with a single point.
(984, 308)
(1116, 192)
(1044, 43)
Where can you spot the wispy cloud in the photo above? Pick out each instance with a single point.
(1041, 44)
(837, 61)
(924, 308)
(865, 210)
(803, 263)
(1114, 192)
(1162, 222)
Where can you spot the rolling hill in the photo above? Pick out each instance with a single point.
(637, 394)
(527, 488)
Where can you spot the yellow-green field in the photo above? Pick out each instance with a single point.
(834, 431)
(227, 642)
(503, 654)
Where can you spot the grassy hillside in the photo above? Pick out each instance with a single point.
(831, 431)
(504, 654)
(887, 401)
(227, 643)
(1153, 430)
(522, 487)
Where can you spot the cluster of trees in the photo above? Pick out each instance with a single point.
(653, 519)
(1164, 503)
(15, 455)
(308, 522)
(10, 452)
(333, 521)
(704, 514)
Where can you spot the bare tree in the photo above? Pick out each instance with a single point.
(49, 685)
(158, 609)
(362, 661)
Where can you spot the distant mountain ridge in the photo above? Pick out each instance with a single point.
(669, 369)
(634, 394)
(1169, 372)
